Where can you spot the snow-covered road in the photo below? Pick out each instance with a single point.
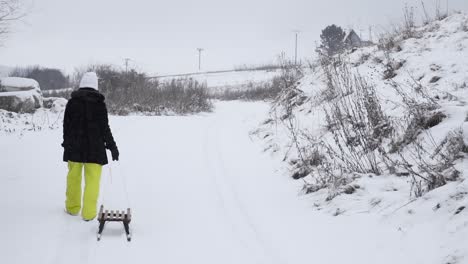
(201, 191)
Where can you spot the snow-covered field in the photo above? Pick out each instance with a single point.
(202, 191)
(231, 80)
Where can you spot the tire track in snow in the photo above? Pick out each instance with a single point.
(247, 226)
(235, 231)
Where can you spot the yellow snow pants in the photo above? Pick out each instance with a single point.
(92, 174)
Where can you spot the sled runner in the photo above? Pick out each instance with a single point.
(114, 216)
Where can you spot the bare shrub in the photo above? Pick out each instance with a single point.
(132, 91)
(289, 74)
(253, 91)
(409, 23)
(426, 19)
(450, 149)
(432, 170)
(421, 113)
(439, 13)
(356, 121)
(427, 170)
(387, 41)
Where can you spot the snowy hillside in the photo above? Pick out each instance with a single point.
(383, 132)
(230, 80)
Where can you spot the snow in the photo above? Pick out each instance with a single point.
(205, 189)
(207, 194)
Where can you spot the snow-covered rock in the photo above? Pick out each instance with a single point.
(13, 84)
(20, 94)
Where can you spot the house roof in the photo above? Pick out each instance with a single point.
(351, 33)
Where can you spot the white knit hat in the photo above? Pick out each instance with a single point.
(89, 80)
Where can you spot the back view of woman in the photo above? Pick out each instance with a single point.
(86, 136)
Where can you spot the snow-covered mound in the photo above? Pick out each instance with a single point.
(230, 80)
(20, 94)
(384, 131)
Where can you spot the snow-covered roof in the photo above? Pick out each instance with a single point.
(17, 82)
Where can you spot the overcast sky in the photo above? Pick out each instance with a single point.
(162, 36)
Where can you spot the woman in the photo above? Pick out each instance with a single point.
(86, 135)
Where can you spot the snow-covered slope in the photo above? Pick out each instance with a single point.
(428, 71)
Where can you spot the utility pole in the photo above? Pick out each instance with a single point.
(295, 50)
(126, 64)
(199, 58)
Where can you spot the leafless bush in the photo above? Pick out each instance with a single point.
(288, 76)
(253, 91)
(387, 41)
(356, 121)
(430, 170)
(134, 92)
(421, 113)
(439, 13)
(426, 19)
(391, 66)
(449, 150)
(290, 72)
(409, 23)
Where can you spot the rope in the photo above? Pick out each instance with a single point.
(124, 184)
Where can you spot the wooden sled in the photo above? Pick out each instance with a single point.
(114, 216)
